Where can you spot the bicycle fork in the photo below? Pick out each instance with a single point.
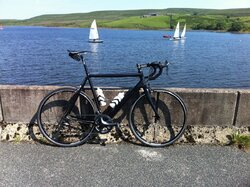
(154, 105)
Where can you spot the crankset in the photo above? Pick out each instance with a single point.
(104, 124)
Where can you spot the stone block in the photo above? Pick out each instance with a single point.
(20, 103)
(243, 114)
(209, 107)
(1, 111)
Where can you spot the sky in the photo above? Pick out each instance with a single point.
(24, 9)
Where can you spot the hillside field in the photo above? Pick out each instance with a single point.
(196, 19)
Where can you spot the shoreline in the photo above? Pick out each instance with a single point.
(152, 29)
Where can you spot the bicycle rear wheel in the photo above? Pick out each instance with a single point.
(64, 130)
(158, 132)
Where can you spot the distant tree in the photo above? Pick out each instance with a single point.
(171, 21)
(220, 25)
(200, 26)
(211, 26)
(236, 26)
(204, 25)
(194, 26)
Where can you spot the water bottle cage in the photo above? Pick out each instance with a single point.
(115, 101)
(100, 98)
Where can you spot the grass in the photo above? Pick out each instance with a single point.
(242, 141)
(132, 19)
(17, 139)
(158, 22)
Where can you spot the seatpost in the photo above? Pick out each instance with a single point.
(82, 59)
(84, 64)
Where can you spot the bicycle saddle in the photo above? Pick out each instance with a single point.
(77, 55)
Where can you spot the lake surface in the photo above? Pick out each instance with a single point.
(38, 56)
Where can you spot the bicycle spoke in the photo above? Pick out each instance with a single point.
(161, 131)
(62, 129)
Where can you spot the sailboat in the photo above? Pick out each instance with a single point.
(1, 27)
(176, 32)
(93, 34)
(183, 32)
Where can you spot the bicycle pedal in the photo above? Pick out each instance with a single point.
(103, 142)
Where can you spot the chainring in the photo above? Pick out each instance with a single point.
(101, 128)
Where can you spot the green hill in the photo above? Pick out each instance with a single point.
(208, 19)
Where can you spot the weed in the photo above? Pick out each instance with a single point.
(241, 140)
(43, 140)
(17, 139)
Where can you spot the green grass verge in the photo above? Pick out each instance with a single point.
(241, 140)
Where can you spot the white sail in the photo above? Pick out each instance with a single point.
(183, 32)
(177, 31)
(93, 33)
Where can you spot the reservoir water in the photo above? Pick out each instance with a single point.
(38, 56)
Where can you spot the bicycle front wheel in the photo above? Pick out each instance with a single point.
(163, 131)
(63, 128)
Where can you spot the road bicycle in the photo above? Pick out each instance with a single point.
(68, 116)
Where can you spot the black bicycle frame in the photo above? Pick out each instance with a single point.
(112, 112)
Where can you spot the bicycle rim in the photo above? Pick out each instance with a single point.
(66, 130)
(163, 131)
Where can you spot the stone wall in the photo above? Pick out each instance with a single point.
(213, 114)
(206, 107)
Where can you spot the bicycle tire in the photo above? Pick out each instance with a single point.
(65, 131)
(165, 131)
